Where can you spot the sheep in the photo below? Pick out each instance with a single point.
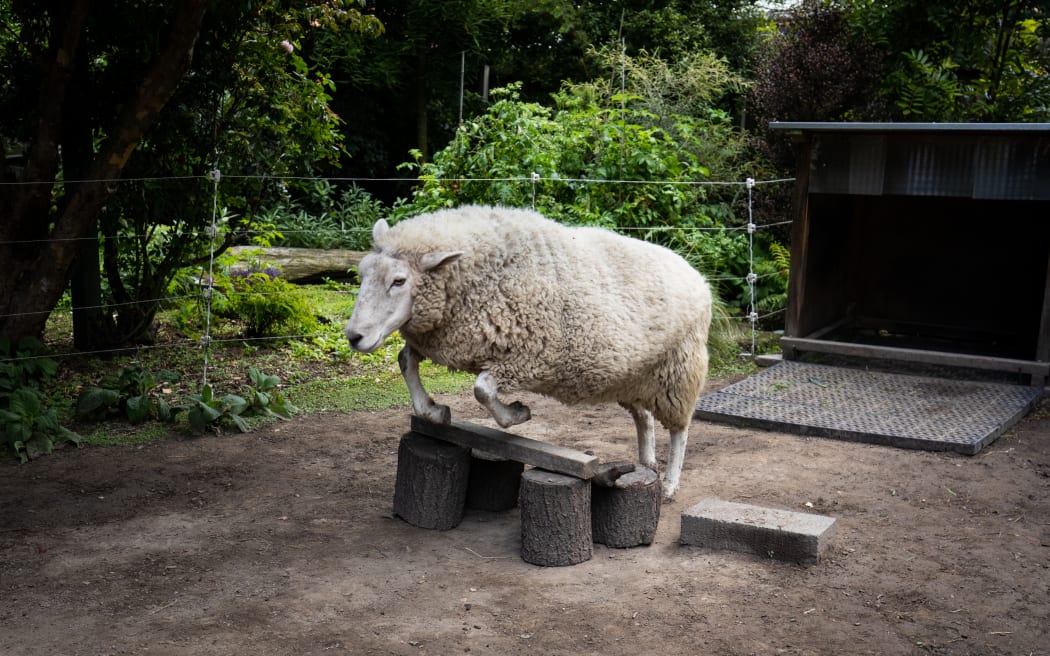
(579, 314)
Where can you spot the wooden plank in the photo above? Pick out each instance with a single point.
(511, 447)
(1036, 369)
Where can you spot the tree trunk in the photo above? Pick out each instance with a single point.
(627, 514)
(431, 485)
(422, 120)
(555, 519)
(36, 272)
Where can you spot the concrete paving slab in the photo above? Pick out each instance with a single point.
(767, 532)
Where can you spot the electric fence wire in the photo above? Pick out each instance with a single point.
(207, 281)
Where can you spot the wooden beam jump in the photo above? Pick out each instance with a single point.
(550, 457)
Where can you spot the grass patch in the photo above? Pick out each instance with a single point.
(384, 389)
(123, 434)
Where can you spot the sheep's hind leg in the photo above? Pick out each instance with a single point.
(424, 406)
(486, 391)
(675, 460)
(643, 422)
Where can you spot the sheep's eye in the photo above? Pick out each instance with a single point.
(397, 282)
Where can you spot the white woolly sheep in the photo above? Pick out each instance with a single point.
(583, 315)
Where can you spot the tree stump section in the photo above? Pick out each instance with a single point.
(555, 519)
(431, 486)
(494, 482)
(626, 514)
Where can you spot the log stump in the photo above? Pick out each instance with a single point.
(626, 514)
(555, 519)
(494, 482)
(431, 486)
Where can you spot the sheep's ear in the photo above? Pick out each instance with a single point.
(379, 229)
(431, 261)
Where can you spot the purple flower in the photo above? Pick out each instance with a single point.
(287, 45)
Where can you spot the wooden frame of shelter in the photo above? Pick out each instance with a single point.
(922, 242)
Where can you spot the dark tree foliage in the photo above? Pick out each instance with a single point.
(95, 93)
(402, 91)
(814, 68)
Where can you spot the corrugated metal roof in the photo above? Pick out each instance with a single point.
(963, 160)
(831, 126)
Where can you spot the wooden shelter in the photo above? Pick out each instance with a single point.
(923, 243)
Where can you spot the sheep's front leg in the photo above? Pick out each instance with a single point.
(424, 406)
(486, 390)
(675, 460)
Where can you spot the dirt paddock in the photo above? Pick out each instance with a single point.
(281, 542)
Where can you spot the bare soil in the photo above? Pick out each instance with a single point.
(281, 542)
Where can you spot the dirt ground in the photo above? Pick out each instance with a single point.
(281, 542)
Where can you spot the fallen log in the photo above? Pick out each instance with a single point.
(301, 265)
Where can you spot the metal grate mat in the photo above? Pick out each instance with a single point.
(907, 411)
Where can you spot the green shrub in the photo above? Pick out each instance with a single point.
(206, 409)
(264, 397)
(244, 289)
(269, 306)
(325, 219)
(27, 426)
(134, 393)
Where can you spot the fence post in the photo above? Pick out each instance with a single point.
(215, 175)
(752, 277)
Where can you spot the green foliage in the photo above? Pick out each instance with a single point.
(206, 409)
(27, 426)
(325, 219)
(265, 397)
(591, 135)
(134, 393)
(962, 61)
(781, 256)
(656, 140)
(23, 366)
(249, 293)
(926, 90)
(269, 306)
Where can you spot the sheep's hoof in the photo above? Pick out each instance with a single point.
(669, 491)
(512, 415)
(439, 414)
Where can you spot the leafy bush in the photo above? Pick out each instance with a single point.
(926, 90)
(269, 306)
(27, 426)
(248, 290)
(590, 136)
(655, 159)
(206, 409)
(134, 393)
(324, 219)
(263, 398)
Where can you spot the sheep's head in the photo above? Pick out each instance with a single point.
(388, 287)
